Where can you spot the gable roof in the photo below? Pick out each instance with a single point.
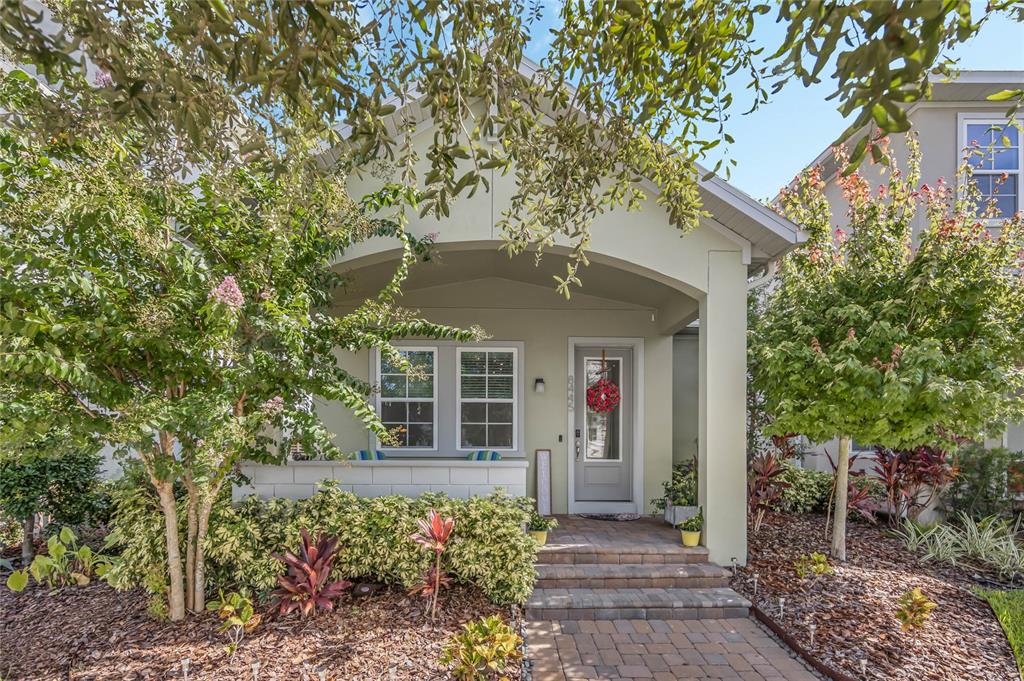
(763, 234)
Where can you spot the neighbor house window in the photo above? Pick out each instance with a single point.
(995, 161)
(408, 399)
(486, 398)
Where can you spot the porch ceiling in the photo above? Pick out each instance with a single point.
(600, 280)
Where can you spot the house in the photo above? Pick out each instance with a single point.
(522, 392)
(957, 114)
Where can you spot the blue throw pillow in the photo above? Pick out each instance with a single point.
(367, 455)
(483, 455)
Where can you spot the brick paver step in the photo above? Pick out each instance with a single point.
(618, 575)
(621, 552)
(630, 603)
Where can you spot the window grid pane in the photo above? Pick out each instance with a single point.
(486, 399)
(995, 160)
(407, 400)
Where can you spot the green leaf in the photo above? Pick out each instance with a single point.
(1004, 95)
(17, 580)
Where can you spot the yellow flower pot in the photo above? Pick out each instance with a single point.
(690, 538)
(539, 536)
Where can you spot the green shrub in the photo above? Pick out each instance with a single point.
(979, 488)
(65, 563)
(814, 564)
(913, 609)
(990, 544)
(489, 548)
(808, 490)
(482, 649)
(62, 484)
(681, 490)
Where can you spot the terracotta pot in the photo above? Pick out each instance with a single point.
(540, 536)
(690, 538)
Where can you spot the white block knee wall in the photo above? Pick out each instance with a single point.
(456, 478)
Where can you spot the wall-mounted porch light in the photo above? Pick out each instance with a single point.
(538, 385)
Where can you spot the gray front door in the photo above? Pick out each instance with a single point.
(603, 442)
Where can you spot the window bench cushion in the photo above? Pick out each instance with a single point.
(483, 455)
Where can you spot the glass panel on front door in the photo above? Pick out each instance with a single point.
(604, 430)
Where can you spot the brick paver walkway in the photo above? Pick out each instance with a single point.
(662, 650)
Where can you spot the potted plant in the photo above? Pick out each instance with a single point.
(540, 526)
(680, 499)
(691, 527)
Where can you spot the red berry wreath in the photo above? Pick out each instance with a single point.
(603, 396)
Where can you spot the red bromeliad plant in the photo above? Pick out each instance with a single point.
(307, 586)
(434, 534)
(912, 478)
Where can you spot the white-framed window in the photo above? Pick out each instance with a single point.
(487, 412)
(996, 159)
(407, 402)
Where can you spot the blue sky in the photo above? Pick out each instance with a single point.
(776, 141)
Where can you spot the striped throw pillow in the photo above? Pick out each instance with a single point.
(367, 455)
(483, 455)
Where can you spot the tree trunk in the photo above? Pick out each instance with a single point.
(190, 551)
(176, 594)
(842, 498)
(199, 569)
(27, 546)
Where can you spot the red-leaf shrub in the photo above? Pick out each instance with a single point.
(764, 488)
(911, 478)
(307, 585)
(434, 534)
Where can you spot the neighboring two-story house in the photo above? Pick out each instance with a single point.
(957, 114)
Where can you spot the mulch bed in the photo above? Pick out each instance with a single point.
(94, 632)
(853, 610)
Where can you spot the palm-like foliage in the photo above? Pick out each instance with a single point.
(307, 585)
(434, 534)
(434, 531)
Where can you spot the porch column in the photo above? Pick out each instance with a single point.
(722, 413)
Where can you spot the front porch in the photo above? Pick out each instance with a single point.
(676, 403)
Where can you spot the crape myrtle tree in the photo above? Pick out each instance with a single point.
(872, 336)
(187, 322)
(169, 223)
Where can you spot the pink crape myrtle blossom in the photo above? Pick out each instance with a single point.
(228, 293)
(102, 79)
(273, 406)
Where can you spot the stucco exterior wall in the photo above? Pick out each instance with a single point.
(685, 397)
(544, 332)
(937, 132)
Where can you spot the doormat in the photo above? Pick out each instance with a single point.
(620, 517)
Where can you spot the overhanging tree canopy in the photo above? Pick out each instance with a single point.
(626, 89)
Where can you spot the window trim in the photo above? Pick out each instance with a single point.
(992, 118)
(514, 401)
(433, 349)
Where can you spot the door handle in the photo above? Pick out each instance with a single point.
(577, 450)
